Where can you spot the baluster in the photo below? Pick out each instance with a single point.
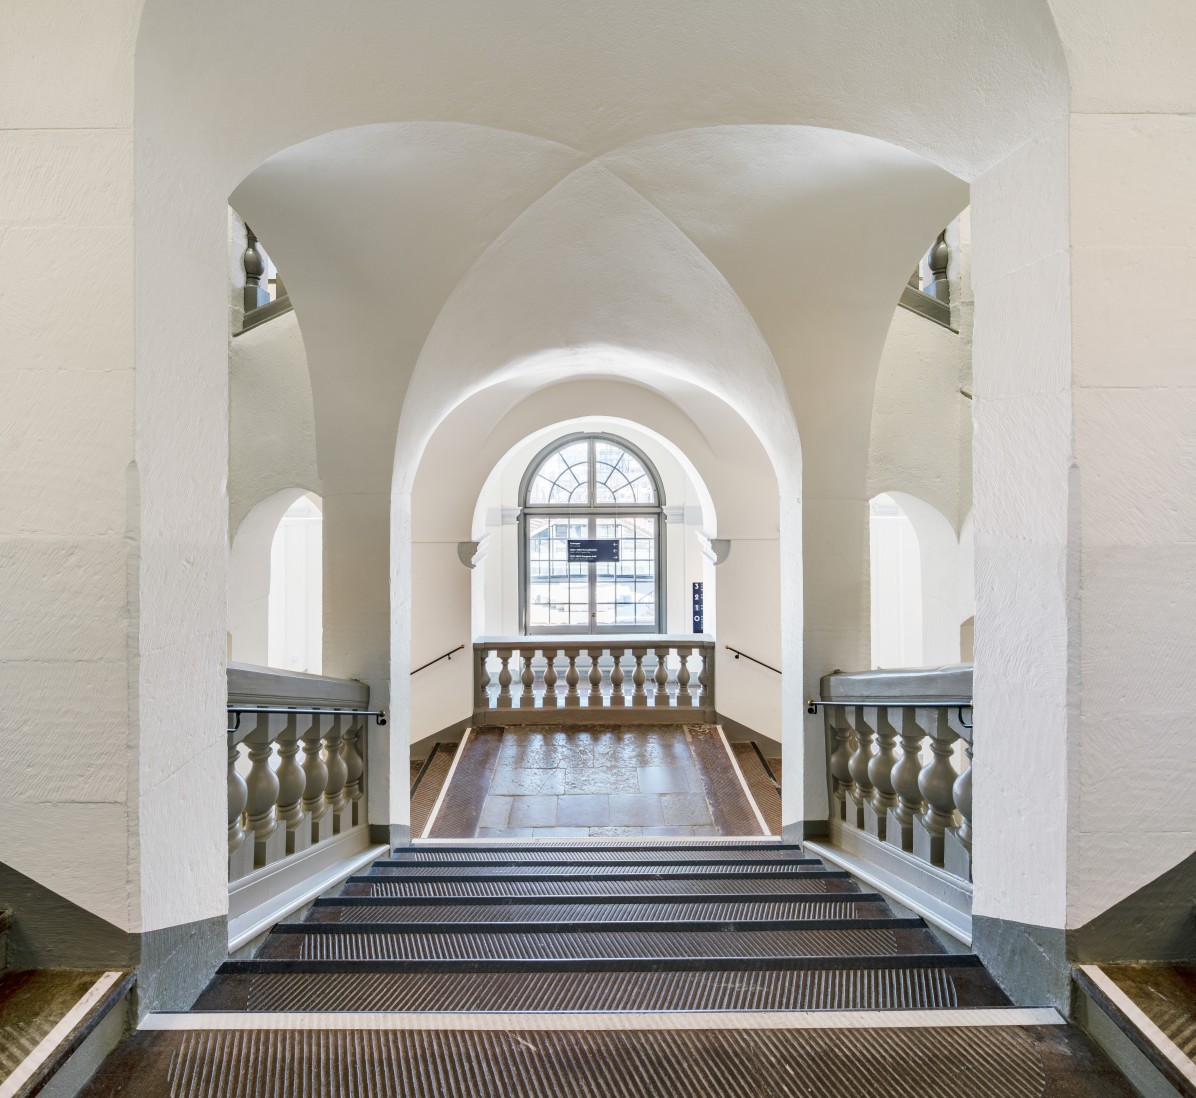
(354, 767)
(550, 699)
(860, 758)
(841, 758)
(617, 697)
(527, 699)
(317, 781)
(291, 781)
(504, 679)
(957, 843)
(240, 853)
(595, 699)
(483, 658)
(704, 678)
(880, 773)
(639, 696)
(269, 839)
(662, 678)
(905, 782)
(334, 791)
(572, 697)
(683, 695)
(937, 783)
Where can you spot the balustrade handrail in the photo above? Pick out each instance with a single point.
(640, 676)
(738, 653)
(899, 760)
(443, 656)
(278, 806)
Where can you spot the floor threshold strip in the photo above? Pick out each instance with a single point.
(967, 1018)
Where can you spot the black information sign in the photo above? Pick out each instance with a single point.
(699, 609)
(593, 550)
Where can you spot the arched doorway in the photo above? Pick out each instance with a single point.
(595, 495)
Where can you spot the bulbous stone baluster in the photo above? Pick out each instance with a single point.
(483, 658)
(937, 782)
(527, 699)
(317, 780)
(617, 697)
(704, 678)
(240, 853)
(662, 678)
(334, 791)
(880, 773)
(550, 698)
(905, 782)
(595, 698)
(291, 781)
(572, 697)
(354, 768)
(957, 843)
(269, 839)
(683, 695)
(639, 696)
(861, 757)
(504, 679)
(842, 736)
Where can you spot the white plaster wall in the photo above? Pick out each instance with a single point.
(69, 491)
(271, 433)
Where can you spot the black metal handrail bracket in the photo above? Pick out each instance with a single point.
(443, 656)
(738, 653)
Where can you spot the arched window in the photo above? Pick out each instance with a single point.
(597, 489)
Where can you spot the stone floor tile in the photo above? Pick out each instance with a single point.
(560, 832)
(636, 810)
(527, 781)
(685, 808)
(534, 812)
(664, 779)
(505, 833)
(672, 830)
(615, 832)
(583, 810)
(602, 779)
(496, 812)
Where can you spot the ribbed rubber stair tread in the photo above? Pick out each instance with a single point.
(347, 945)
(766, 855)
(930, 1062)
(938, 983)
(403, 888)
(714, 911)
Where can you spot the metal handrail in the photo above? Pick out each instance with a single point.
(960, 704)
(443, 656)
(235, 711)
(738, 653)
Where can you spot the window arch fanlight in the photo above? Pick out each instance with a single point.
(595, 487)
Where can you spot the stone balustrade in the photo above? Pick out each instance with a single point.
(899, 749)
(576, 680)
(296, 763)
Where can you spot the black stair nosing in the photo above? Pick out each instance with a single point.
(599, 964)
(663, 926)
(642, 875)
(396, 863)
(556, 846)
(595, 898)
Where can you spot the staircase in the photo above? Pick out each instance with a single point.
(683, 968)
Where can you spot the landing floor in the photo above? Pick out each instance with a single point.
(551, 783)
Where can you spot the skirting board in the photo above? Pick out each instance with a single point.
(942, 900)
(268, 895)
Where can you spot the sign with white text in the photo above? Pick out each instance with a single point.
(699, 609)
(593, 550)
